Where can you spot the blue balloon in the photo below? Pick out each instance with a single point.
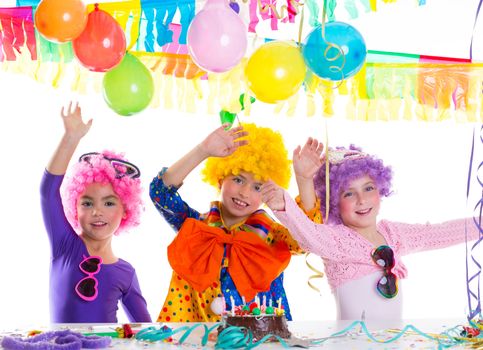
(339, 56)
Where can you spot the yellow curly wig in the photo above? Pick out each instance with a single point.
(265, 157)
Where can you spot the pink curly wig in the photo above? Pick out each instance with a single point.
(343, 173)
(100, 170)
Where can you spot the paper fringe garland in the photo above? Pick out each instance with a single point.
(408, 89)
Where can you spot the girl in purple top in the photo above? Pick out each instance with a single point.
(362, 256)
(101, 198)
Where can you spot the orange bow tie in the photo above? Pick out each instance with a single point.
(197, 252)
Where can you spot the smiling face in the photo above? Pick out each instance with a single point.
(240, 197)
(99, 212)
(359, 204)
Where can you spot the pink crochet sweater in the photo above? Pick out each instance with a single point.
(347, 254)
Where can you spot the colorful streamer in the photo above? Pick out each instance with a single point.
(159, 15)
(270, 10)
(240, 338)
(17, 33)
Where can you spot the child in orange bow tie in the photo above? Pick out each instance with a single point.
(235, 251)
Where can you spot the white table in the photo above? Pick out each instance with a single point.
(355, 339)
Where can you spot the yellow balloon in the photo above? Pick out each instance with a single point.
(275, 71)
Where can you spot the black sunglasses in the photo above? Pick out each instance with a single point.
(122, 167)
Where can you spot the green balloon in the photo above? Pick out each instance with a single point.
(242, 100)
(128, 88)
(227, 117)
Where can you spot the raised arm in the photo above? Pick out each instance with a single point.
(312, 237)
(306, 162)
(58, 229)
(220, 143)
(164, 187)
(75, 129)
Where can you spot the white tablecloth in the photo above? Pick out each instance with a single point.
(354, 339)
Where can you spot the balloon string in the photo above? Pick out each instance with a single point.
(319, 274)
(301, 24)
(327, 175)
(330, 45)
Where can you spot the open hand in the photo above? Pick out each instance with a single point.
(222, 143)
(307, 160)
(73, 123)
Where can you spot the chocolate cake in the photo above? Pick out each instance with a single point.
(260, 325)
(257, 322)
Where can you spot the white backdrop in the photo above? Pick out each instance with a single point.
(430, 162)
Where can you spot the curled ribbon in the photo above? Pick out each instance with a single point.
(317, 274)
(331, 47)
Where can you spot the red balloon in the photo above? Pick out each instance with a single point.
(102, 44)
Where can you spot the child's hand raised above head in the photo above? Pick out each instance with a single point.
(75, 129)
(306, 162)
(73, 123)
(222, 142)
(307, 159)
(272, 196)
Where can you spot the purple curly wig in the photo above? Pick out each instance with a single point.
(99, 170)
(345, 171)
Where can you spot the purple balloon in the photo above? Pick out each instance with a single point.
(234, 6)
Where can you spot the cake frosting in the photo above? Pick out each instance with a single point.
(260, 321)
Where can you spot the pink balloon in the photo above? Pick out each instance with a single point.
(102, 44)
(217, 37)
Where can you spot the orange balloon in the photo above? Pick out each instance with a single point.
(61, 20)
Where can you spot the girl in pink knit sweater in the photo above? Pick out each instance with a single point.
(362, 257)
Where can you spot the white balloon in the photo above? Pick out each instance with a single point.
(218, 305)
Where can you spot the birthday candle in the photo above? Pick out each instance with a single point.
(270, 302)
(232, 301)
(264, 301)
(257, 300)
(243, 300)
(279, 303)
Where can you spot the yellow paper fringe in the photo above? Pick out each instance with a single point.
(379, 92)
